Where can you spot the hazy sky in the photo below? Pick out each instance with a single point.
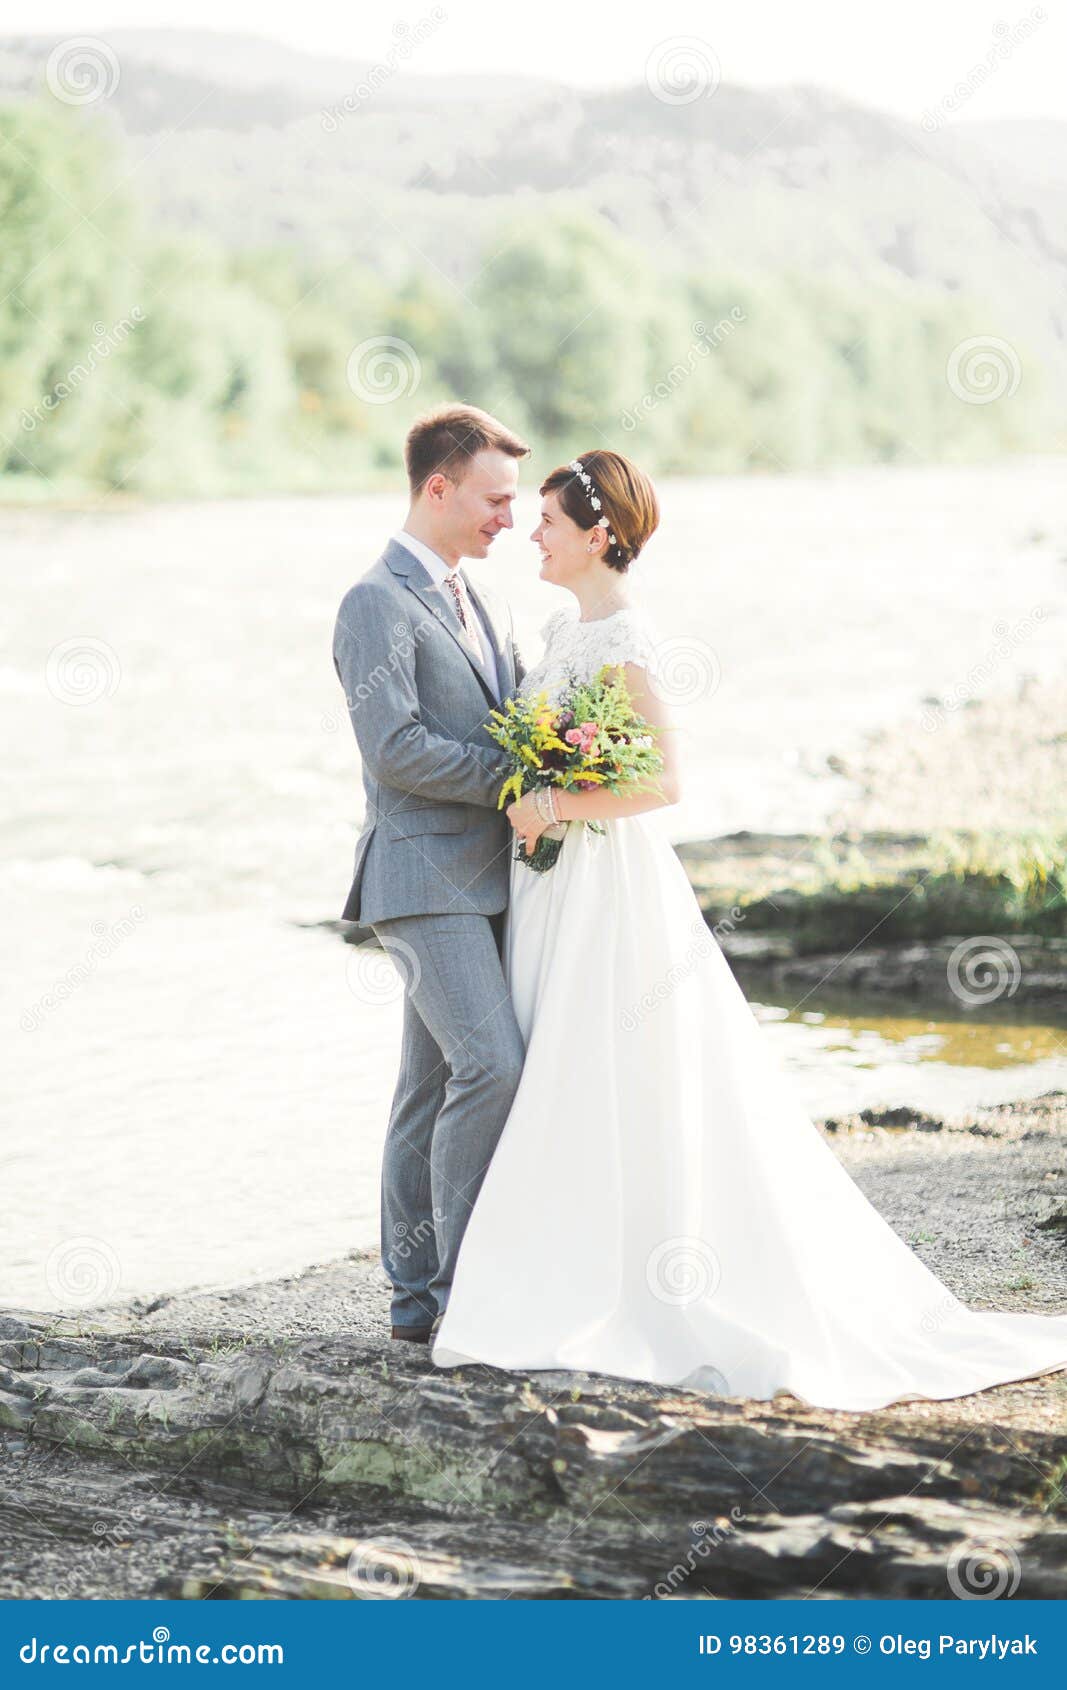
(904, 57)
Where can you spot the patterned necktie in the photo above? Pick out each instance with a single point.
(454, 581)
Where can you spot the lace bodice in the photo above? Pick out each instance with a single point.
(575, 650)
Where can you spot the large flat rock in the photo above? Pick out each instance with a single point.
(344, 1471)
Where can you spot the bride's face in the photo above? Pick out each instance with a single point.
(564, 546)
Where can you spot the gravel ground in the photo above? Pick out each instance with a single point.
(967, 1193)
(969, 1196)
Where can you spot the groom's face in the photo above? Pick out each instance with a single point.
(479, 506)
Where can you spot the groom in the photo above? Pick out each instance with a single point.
(423, 655)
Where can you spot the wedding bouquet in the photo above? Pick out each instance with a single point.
(592, 737)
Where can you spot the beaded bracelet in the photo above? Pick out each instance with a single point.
(546, 796)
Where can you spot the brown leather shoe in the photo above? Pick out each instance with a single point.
(414, 1334)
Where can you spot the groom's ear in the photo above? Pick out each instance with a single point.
(436, 486)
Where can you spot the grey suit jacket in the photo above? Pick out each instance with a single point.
(432, 841)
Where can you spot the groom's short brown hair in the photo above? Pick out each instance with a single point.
(449, 437)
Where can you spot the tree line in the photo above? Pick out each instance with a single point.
(162, 363)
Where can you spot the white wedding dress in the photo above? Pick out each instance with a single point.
(659, 1206)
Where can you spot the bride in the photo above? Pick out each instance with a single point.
(658, 1206)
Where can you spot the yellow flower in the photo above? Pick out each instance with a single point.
(512, 784)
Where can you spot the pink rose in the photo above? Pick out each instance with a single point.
(572, 736)
(588, 728)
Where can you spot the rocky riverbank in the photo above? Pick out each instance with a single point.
(943, 875)
(272, 1441)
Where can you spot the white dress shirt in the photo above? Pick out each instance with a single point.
(437, 569)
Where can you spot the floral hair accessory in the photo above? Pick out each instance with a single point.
(592, 495)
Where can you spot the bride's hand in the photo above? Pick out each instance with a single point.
(525, 820)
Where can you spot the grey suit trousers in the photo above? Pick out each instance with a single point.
(461, 1059)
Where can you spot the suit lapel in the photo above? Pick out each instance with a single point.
(439, 601)
(503, 666)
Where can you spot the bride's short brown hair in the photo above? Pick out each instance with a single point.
(627, 496)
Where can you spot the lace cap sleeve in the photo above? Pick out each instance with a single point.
(627, 638)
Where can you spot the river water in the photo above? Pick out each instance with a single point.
(198, 1076)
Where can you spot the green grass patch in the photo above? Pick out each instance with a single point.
(879, 887)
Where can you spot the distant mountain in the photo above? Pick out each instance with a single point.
(205, 79)
(255, 144)
(252, 61)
